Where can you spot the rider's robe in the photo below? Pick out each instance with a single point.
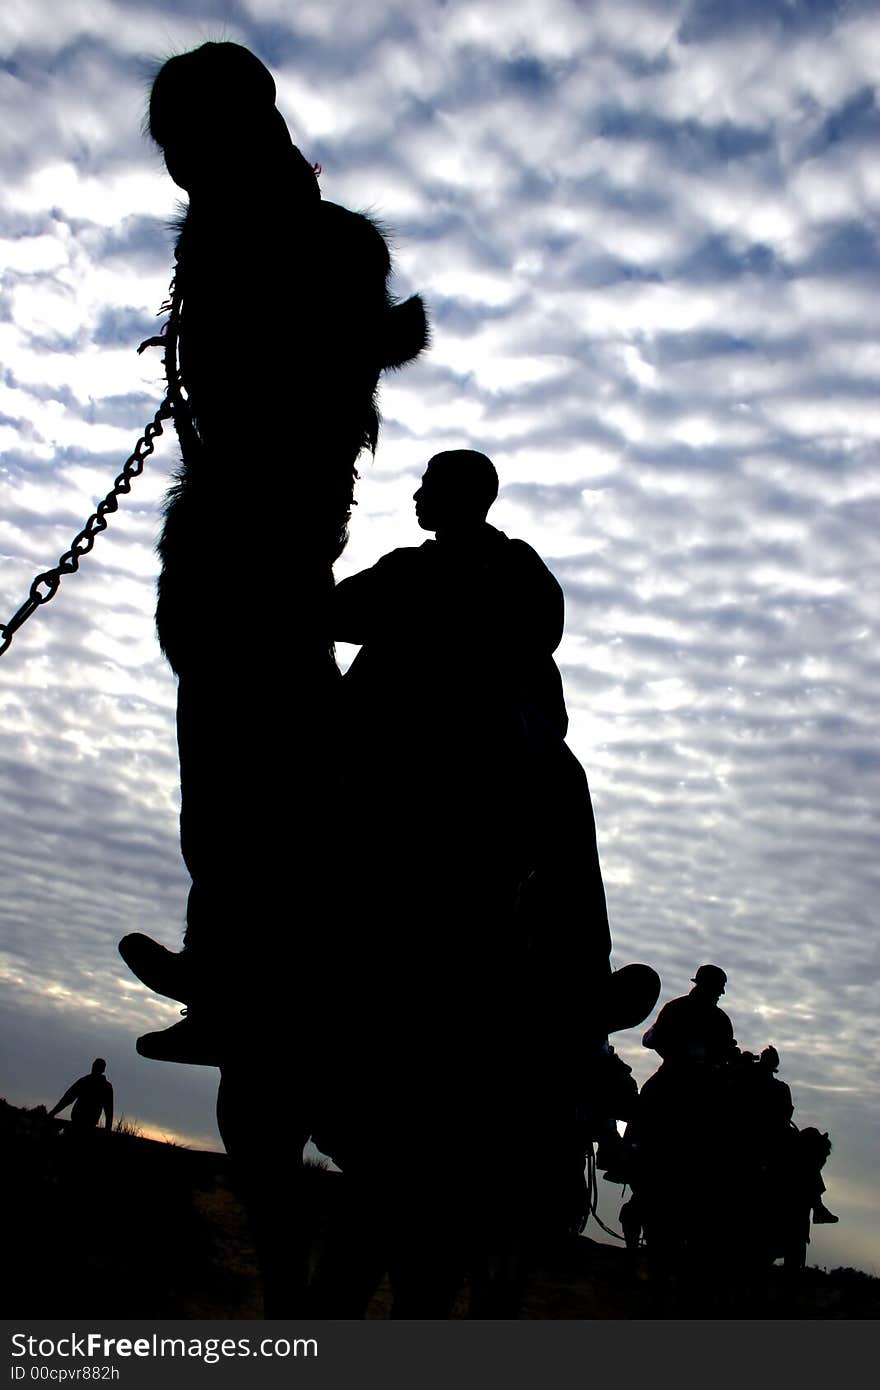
(691, 1028)
(475, 831)
(459, 721)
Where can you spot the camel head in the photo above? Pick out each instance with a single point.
(212, 113)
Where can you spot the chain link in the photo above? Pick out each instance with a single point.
(46, 585)
(173, 405)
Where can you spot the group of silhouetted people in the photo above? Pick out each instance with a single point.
(710, 1151)
(396, 892)
(400, 859)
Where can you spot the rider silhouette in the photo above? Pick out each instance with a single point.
(467, 622)
(692, 1028)
(458, 759)
(771, 1097)
(456, 680)
(773, 1110)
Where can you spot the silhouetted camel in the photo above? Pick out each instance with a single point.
(285, 324)
(314, 934)
(723, 1181)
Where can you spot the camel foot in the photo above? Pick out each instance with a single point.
(632, 993)
(186, 1041)
(163, 971)
(822, 1216)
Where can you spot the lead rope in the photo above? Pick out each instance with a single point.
(173, 407)
(593, 1197)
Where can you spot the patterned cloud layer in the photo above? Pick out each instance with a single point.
(649, 235)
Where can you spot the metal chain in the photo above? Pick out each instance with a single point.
(83, 542)
(132, 468)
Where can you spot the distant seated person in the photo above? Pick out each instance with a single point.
(692, 1028)
(772, 1096)
(91, 1096)
(773, 1109)
(818, 1148)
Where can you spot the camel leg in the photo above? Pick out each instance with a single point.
(265, 1145)
(355, 1254)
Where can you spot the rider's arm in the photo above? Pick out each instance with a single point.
(361, 601)
(661, 1036)
(539, 601)
(354, 601)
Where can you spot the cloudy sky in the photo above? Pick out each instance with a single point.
(647, 233)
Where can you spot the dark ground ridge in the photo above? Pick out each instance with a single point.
(129, 1227)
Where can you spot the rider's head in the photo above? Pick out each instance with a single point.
(770, 1058)
(710, 980)
(457, 489)
(99, 1065)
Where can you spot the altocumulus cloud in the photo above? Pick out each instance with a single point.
(648, 233)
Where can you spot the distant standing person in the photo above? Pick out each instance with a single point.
(91, 1096)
